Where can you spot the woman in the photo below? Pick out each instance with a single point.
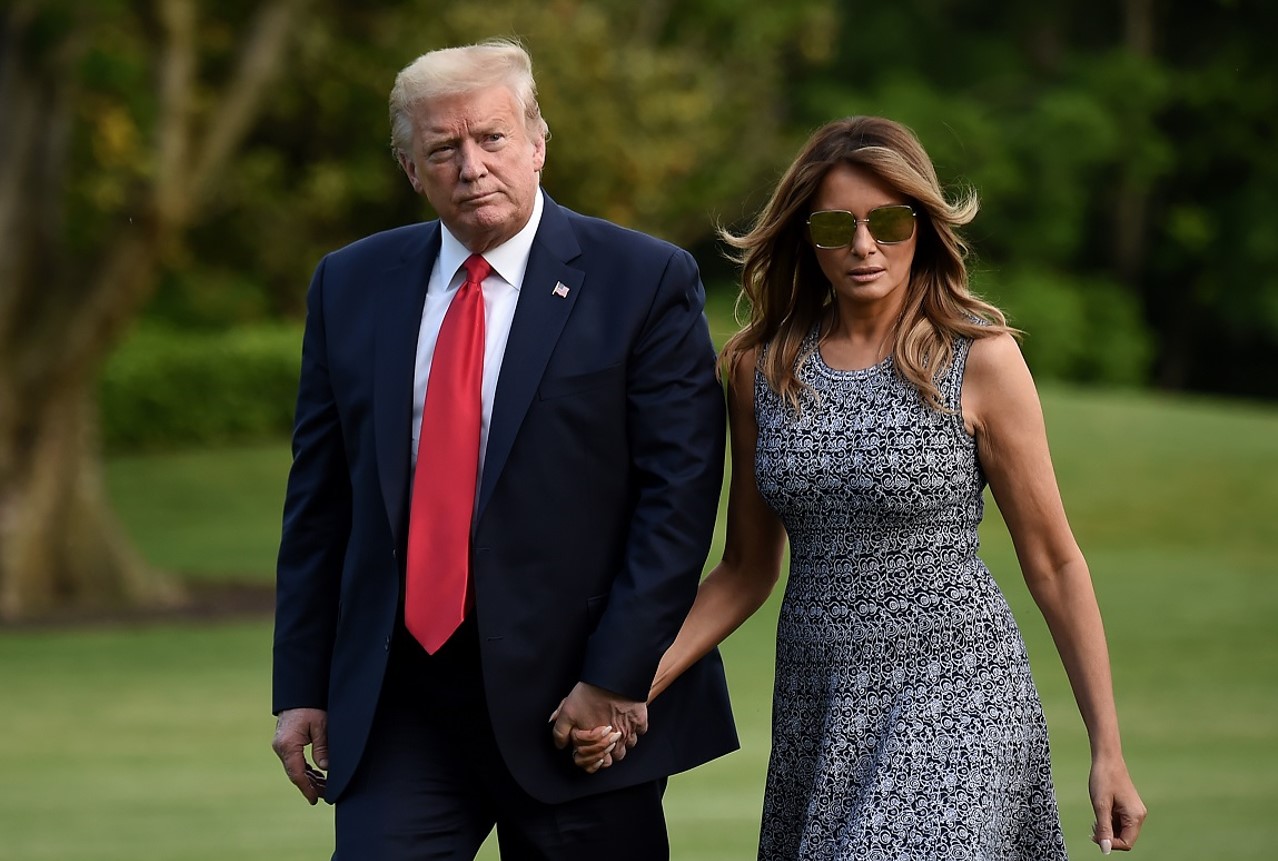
(871, 398)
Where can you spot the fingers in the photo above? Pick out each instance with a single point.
(1102, 828)
(641, 724)
(632, 719)
(318, 781)
(612, 718)
(1118, 824)
(554, 716)
(319, 747)
(592, 767)
(1103, 836)
(625, 744)
(597, 754)
(561, 729)
(595, 742)
(564, 731)
(586, 736)
(592, 748)
(294, 730)
(1119, 810)
(295, 766)
(1128, 828)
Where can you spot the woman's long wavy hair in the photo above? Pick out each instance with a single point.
(787, 294)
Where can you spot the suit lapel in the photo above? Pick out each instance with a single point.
(543, 309)
(402, 295)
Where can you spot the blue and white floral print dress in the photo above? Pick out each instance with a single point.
(906, 724)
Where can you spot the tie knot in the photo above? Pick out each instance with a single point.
(477, 269)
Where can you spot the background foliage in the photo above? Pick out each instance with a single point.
(167, 389)
(1121, 150)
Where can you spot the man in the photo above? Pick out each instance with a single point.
(507, 458)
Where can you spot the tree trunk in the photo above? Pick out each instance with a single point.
(1131, 205)
(59, 545)
(61, 548)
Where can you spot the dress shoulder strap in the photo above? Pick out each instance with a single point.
(951, 381)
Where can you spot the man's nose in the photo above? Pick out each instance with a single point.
(471, 161)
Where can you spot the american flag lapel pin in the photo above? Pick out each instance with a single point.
(561, 290)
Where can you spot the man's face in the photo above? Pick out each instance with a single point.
(474, 161)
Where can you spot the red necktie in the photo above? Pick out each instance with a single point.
(443, 501)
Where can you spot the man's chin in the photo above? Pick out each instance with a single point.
(487, 226)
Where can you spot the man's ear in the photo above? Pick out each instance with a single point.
(539, 152)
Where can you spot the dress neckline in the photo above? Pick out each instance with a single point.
(823, 366)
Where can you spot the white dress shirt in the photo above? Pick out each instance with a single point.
(509, 262)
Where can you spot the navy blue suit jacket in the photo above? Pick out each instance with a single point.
(595, 510)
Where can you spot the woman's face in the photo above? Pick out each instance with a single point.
(865, 271)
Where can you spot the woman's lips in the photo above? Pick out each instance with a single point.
(864, 275)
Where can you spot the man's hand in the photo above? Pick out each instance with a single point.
(605, 718)
(295, 729)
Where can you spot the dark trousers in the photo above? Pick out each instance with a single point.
(432, 784)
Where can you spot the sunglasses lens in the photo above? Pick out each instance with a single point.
(892, 223)
(834, 228)
(831, 228)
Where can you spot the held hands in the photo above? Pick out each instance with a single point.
(295, 729)
(1119, 810)
(600, 725)
(593, 749)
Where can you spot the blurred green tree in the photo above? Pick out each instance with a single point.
(661, 113)
(196, 158)
(120, 120)
(202, 156)
(1123, 154)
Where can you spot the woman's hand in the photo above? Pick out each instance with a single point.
(1119, 810)
(592, 749)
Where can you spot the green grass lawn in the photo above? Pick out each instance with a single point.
(151, 742)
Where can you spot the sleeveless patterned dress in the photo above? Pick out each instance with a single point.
(906, 724)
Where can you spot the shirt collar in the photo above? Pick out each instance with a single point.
(508, 260)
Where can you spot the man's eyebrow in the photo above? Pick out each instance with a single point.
(436, 138)
(447, 135)
(496, 124)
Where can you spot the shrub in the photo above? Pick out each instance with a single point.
(168, 389)
(1080, 329)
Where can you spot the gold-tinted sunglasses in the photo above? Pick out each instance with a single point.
(835, 228)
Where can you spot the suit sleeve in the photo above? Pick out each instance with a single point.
(317, 523)
(675, 422)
